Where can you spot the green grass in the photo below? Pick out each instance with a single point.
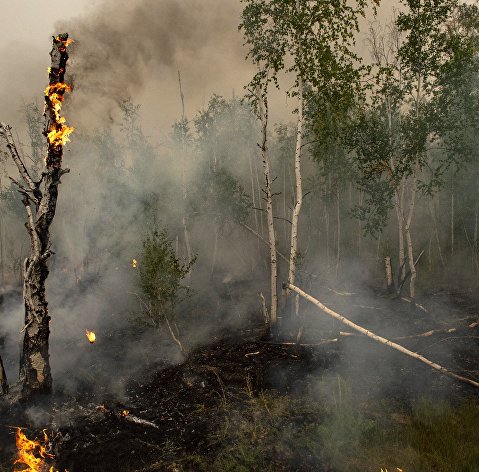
(327, 430)
(275, 433)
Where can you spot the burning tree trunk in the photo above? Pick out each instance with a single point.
(40, 200)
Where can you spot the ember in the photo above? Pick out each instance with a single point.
(91, 336)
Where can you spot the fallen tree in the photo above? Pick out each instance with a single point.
(377, 338)
(40, 199)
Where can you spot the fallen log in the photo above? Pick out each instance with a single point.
(412, 336)
(379, 339)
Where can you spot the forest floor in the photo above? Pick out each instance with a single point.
(240, 403)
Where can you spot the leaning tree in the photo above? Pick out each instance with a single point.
(39, 198)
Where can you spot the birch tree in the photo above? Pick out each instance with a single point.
(311, 41)
(39, 198)
(400, 136)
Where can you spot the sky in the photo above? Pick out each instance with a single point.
(218, 66)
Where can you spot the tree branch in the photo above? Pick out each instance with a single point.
(6, 131)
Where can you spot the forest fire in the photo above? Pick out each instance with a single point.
(134, 263)
(91, 336)
(32, 453)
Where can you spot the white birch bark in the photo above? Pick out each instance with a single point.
(299, 187)
(263, 114)
(382, 340)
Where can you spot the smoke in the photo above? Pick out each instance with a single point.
(134, 49)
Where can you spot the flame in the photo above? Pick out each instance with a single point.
(66, 42)
(32, 453)
(91, 336)
(58, 133)
(134, 263)
(125, 412)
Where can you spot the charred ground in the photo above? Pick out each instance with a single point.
(242, 403)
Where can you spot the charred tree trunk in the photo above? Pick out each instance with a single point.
(3, 379)
(40, 200)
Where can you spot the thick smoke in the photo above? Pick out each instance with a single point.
(124, 49)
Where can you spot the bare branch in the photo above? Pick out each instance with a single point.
(6, 131)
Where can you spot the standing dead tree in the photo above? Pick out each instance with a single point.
(40, 200)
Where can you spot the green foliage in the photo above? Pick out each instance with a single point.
(220, 195)
(224, 135)
(225, 132)
(318, 36)
(457, 107)
(160, 277)
(267, 434)
(421, 116)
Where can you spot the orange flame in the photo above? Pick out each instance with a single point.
(125, 412)
(32, 453)
(66, 43)
(58, 132)
(134, 263)
(91, 336)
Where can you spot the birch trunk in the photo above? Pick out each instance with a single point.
(407, 229)
(40, 201)
(293, 254)
(475, 255)
(398, 199)
(186, 234)
(338, 243)
(389, 274)
(263, 114)
(380, 339)
(452, 224)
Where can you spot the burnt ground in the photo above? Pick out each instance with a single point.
(240, 397)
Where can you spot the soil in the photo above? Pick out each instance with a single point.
(169, 411)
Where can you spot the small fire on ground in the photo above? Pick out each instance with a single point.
(32, 454)
(134, 263)
(91, 336)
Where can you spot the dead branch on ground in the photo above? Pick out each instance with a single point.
(380, 339)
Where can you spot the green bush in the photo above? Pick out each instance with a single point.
(160, 279)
